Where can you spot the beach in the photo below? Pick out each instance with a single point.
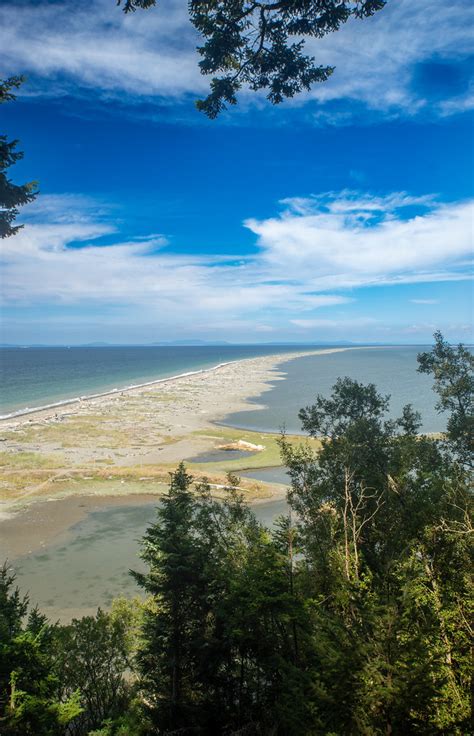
(119, 447)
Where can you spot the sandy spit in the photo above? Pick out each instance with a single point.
(250, 374)
(145, 428)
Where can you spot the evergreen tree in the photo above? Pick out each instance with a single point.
(226, 637)
(29, 702)
(166, 661)
(12, 196)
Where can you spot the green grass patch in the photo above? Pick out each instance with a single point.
(269, 457)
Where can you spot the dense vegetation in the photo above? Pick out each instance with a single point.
(352, 616)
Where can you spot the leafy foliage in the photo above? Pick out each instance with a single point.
(93, 657)
(29, 703)
(261, 44)
(384, 524)
(453, 371)
(12, 196)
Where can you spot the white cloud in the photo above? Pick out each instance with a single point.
(352, 240)
(310, 324)
(464, 330)
(99, 47)
(67, 46)
(61, 260)
(316, 248)
(375, 59)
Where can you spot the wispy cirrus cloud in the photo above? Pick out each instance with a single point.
(62, 259)
(385, 63)
(338, 324)
(410, 57)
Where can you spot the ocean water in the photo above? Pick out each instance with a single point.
(392, 370)
(91, 567)
(35, 377)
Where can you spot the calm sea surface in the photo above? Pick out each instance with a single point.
(393, 370)
(34, 377)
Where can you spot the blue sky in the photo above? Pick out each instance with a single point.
(343, 214)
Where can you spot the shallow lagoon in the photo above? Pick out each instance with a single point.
(91, 566)
(392, 370)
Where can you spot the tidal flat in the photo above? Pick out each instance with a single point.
(126, 442)
(80, 483)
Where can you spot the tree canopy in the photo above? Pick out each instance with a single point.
(261, 45)
(453, 371)
(12, 196)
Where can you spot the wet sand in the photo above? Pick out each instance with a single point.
(74, 555)
(80, 482)
(49, 522)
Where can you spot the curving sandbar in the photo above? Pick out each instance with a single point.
(124, 443)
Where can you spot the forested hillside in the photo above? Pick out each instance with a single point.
(353, 615)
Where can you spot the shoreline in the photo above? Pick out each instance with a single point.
(110, 392)
(47, 522)
(26, 411)
(52, 545)
(16, 417)
(159, 423)
(117, 442)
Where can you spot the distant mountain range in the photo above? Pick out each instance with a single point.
(218, 343)
(185, 343)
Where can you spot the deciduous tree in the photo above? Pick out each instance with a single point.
(453, 371)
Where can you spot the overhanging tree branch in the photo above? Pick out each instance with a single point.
(233, 29)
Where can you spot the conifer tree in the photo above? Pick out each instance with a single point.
(12, 196)
(29, 701)
(174, 581)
